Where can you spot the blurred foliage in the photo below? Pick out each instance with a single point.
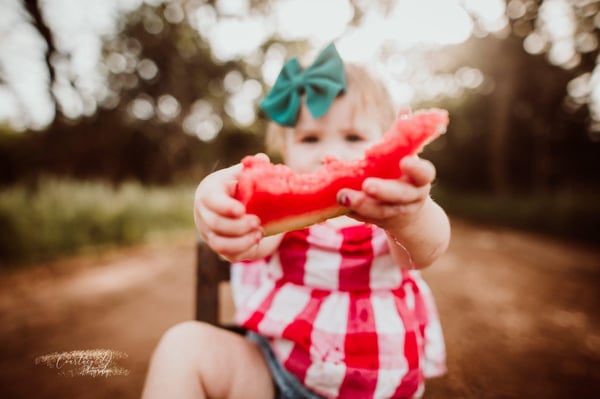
(57, 217)
(513, 134)
(566, 214)
(115, 145)
(512, 141)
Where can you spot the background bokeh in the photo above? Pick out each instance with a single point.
(112, 111)
(158, 93)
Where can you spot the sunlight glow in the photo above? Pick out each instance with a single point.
(142, 107)
(202, 121)
(557, 34)
(237, 8)
(240, 104)
(316, 20)
(557, 28)
(174, 13)
(25, 102)
(168, 107)
(274, 59)
(594, 88)
(535, 43)
(489, 13)
(78, 30)
(235, 37)
(235, 30)
(363, 42)
(412, 23)
(147, 69)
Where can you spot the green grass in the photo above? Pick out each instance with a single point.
(60, 217)
(566, 214)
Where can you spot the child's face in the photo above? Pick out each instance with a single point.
(341, 133)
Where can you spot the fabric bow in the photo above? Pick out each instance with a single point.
(321, 83)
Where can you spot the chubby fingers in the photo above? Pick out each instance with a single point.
(229, 226)
(221, 219)
(230, 235)
(372, 209)
(417, 171)
(394, 191)
(384, 201)
(217, 211)
(231, 247)
(216, 192)
(223, 204)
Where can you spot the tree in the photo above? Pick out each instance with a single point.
(165, 88)
(161, 73)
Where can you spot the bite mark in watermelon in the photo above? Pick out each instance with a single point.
(285, 200)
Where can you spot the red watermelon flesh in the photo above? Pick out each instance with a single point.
(285, 200)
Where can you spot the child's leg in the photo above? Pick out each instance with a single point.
(197, 360)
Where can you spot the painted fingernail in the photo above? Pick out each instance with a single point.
(343, 199)
(258, 236)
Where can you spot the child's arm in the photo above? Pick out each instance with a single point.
(223, 223)
(418, 229)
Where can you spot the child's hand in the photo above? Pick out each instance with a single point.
(392, 204)
(418, 229)
(220, 219)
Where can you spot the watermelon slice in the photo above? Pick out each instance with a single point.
(285, 200)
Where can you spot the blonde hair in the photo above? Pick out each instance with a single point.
(367, 94)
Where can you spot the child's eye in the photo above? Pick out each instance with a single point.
(309, 139)
(353, 138)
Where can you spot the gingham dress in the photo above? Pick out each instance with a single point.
(341, 315)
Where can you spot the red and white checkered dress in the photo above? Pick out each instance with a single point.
(341, 315)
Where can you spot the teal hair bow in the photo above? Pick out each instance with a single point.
(321, 83)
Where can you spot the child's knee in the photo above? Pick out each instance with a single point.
(185, 338)
(183, 329)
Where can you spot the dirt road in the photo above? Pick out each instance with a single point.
(520, 314)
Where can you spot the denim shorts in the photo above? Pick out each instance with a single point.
(286, 384)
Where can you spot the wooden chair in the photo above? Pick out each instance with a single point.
(214, 304)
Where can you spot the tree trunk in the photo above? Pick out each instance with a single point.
(497, 143)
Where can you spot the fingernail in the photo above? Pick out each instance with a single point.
(412, 159)
(258, 236)
(343, 199)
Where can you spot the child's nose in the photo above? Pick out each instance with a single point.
(331, 150)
